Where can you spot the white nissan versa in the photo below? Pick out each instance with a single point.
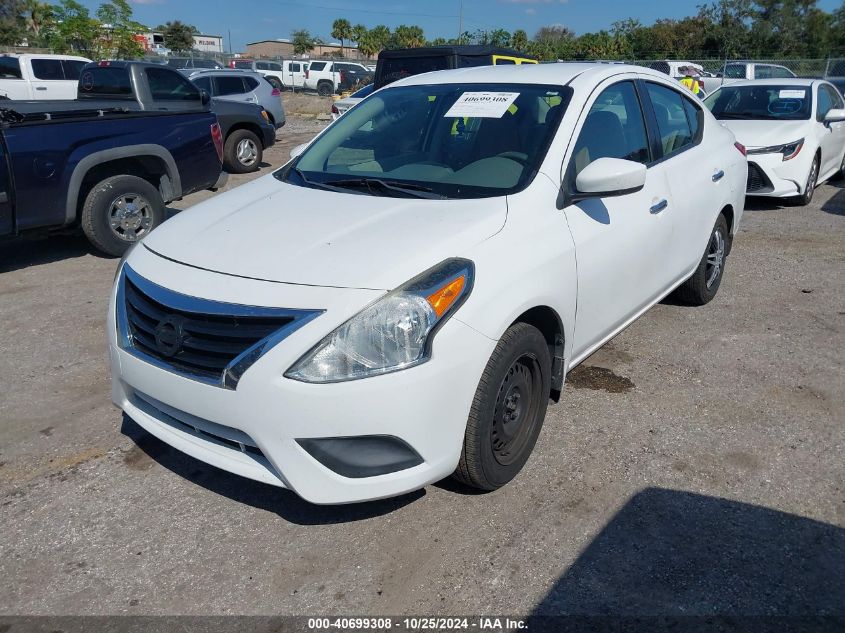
(398, 303)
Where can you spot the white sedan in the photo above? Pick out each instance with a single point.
(400, 301)
(793, 130)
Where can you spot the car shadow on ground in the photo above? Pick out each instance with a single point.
(700, 563)
(20, 253)
(836, 204)
(284, 503)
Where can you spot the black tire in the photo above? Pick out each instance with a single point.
(508, 409)
(325, 89)
(119, 211)
(809, 189)
(236, 162)
(702, 286)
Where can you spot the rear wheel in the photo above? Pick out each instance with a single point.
(119, 211)
(508, 409)
(810, 188)
(242, 153)
(704, 283)
(325, 89)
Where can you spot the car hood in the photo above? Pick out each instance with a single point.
(766, 133)
(284, 233)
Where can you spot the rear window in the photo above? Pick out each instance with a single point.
(73, 68)
(10, 68)
(391, 70)
(251, 83)
(47, 69)
(105, 81)
(168, 85)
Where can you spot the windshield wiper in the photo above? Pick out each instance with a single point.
(314, 183)
(409, 189)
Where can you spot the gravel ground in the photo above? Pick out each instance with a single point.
(693, 466)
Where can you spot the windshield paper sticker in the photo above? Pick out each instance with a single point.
(791, 94)
(487, 105)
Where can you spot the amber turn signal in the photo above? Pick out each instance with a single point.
(443, 298)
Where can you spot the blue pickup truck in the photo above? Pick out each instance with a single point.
(107, 166)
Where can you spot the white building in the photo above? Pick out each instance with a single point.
(208, 43)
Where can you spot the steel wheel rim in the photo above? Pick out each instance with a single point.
(515, 412)
(715, 257)
(811, 180)
(130, 217)
(247, 152)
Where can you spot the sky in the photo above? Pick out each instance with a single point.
(252, 20)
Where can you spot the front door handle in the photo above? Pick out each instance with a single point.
(41, 87)
(718, 176)
(657, 208)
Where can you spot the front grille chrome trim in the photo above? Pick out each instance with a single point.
(234, 370)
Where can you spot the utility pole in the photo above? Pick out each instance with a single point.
(461, 22)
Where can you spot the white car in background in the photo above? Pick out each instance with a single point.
(793, 131)
(37, 77)
(340, 106)
(398, 303)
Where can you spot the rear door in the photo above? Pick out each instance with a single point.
(231, 88)
(12, 83)
(295, 74)
(48, 80)
(7, 224)
(620, 242)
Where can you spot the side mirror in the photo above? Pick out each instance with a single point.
(205, 97)
(834, 115)
(608, 177)
(296, 151)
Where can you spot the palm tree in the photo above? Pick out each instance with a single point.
(36, 14)
(341, 30)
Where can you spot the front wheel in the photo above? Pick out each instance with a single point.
(508, 409)
(810, 188)
(242, 153)
(119, 211)
(704, 283)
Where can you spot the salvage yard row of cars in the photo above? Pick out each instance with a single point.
(347, 326)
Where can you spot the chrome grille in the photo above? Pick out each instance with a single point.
(210, 341)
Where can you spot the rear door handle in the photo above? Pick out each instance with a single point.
(657, 208)
(718, 176)
(41, 87)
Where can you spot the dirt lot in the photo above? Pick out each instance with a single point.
(693, 466)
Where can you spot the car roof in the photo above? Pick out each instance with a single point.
(222, 71)
(45, 56)
(557, 73)
(792, 81)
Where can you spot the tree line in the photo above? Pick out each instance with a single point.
(722, 29)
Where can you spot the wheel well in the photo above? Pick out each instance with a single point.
(728, 212)
(150, 168)
(548, 322)
(249, 127)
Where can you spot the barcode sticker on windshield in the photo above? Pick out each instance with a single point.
(791, 94)
(488, 105)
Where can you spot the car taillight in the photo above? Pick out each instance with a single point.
(741, 148)
(275, 92)
(335, 110)
(217, 137)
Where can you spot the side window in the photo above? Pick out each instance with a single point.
(695, 118)
(262, 66)
(294, 68)
(229, 86)
(672, 123)
(204, 83)
(614, 128)
(779, 72)
(274, 66)
(251, 83)
(48, 69)
(317, 66)
(735, 71)
(10, 68)
(169, 85)
(762, 71)
(73, 68)
(824, 103)
(835, 97)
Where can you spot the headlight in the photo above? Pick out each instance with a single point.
(393, 333)
(787, 150)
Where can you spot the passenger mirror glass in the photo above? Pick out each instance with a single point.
(607, 177)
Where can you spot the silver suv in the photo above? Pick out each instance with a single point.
(241, 85)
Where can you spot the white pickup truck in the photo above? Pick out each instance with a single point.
(28, 77)
(739, 71)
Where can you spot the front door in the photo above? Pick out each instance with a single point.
(48, 80)
(620, 242)
(831, 135)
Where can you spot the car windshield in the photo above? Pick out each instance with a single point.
(444, 140)
(764, 102)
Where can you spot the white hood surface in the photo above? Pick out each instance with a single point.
(279, 232)
(765, 133)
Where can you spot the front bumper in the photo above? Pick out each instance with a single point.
(257, 430)
(769, 175)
